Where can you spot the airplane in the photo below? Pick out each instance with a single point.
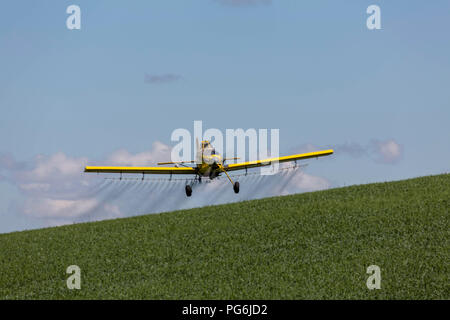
(209, 164)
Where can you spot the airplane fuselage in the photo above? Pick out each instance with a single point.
(210, 166)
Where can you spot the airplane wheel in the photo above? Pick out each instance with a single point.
(236, 187)
(188, 190)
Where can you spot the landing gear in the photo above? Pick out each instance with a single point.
(236, 187)
(235, 184)
(188, 190)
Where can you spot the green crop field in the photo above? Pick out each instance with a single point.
(314, 245)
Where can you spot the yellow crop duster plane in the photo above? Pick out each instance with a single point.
(210, 164)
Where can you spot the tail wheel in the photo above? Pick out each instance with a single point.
(236, 187)
(188, 190)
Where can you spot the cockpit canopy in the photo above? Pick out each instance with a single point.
(206, 146)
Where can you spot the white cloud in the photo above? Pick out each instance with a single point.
(388, 151)
(57, 164)
(382, 151)
(307, 182)
(56, 190)
(58, 208)
(351, 148)
(35, 187)
(298, 181)
(159, 152)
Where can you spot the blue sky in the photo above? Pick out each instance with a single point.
(310, 68)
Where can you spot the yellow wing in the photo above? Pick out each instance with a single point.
(267, 162)
(143, 170)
